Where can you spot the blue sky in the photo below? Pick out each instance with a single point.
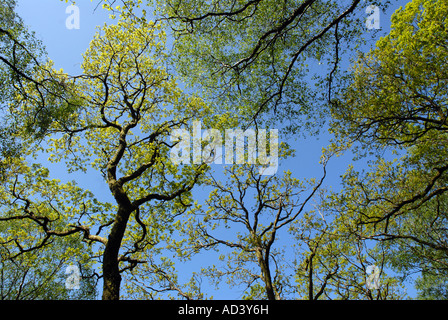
(65, 47)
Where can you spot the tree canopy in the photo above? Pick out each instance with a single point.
(396, 99)
(247, 66)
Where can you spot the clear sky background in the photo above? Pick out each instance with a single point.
(65, 47)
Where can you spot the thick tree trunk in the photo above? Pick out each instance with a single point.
(112, 282)
(111, 273)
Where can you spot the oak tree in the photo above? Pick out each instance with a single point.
(127, 106)
(395, 105)
(247, 214)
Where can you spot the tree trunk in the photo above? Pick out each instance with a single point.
(111, 273)
(112, 281)
(266, 274)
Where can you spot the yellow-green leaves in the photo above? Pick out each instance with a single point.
(114, 121)
(398, 90)
(396, 101)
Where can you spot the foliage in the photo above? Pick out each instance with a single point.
(246, 214)
(333, 262)
(127, 106)
(247, 63)
(396, 99)
(262, 60)
(32, 264)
